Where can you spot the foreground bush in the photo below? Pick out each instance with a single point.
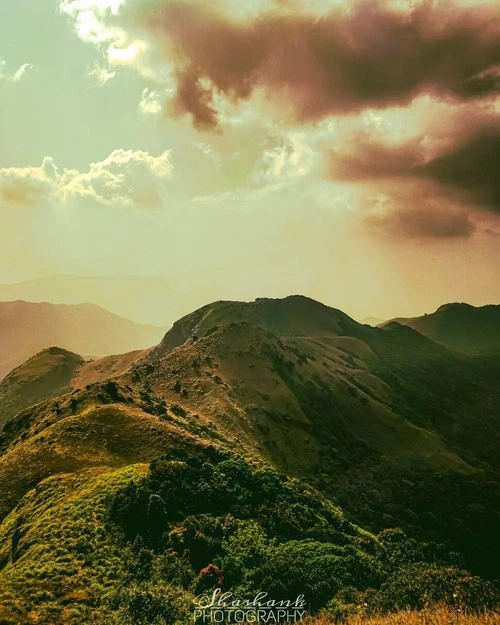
(216, 521)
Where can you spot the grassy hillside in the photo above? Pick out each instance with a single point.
(461, 327)
(27, 328)
(290, 399)
(388, 426)
(292, 316)
(105, 368)
(47, 374)
(54, 372)
(395, 430)
(56, 556)
(378, 423)
(57, 438)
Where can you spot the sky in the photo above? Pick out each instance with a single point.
(348, 150)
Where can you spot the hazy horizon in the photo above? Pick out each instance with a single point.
(150, 313)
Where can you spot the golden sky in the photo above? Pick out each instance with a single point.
(346, 150)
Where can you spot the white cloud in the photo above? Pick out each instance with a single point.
(209, 151)
(125, 178)
(90, 16)
(100, 73)
(17, 75)
(26, 186)
(150, 103)
(294, 158)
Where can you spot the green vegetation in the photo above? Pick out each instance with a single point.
(132, 546)
(57, 557)
(212, 520)
(461, 327)
(270, 443)
(444, 615)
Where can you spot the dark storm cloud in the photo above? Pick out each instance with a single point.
(191, 98)
(467, 170)
(424, 222)
(366, 160)
(471, 168)
(369, 56)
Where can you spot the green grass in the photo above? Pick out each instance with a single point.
(64, 559)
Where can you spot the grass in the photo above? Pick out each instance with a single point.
(45, 375)
(440, 616)
(57, 539)
(112, 435)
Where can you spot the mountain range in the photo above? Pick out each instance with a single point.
(143, 299)
(396, 425)
(26, 328)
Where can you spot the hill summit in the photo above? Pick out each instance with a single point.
(295, 315)
(461, 327)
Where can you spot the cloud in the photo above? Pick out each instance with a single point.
(294, 158)
(459, 157)
(100, 73)
(391, 97)
(26, 186)
(150, 103)
(126, 178)
(372, 160)
(313, 59)
(16, 76)
(419, 212)
(19, 74)
(471, 168)
(90, 16)
(368, 56)
(101, 23)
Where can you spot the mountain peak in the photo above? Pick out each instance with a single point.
(295, 315)
(455, 306)
(461, 327)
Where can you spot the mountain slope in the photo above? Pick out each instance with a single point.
(296, 399)
(47, 374)
(54, 372)
(27, 328)
(292, 316)
(136, 544)
(461, 327)
(392, 426)
(149, 300)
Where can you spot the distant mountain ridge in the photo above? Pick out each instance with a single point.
(27, 328)
(373, 321)
(460, 327)
(143, 299)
